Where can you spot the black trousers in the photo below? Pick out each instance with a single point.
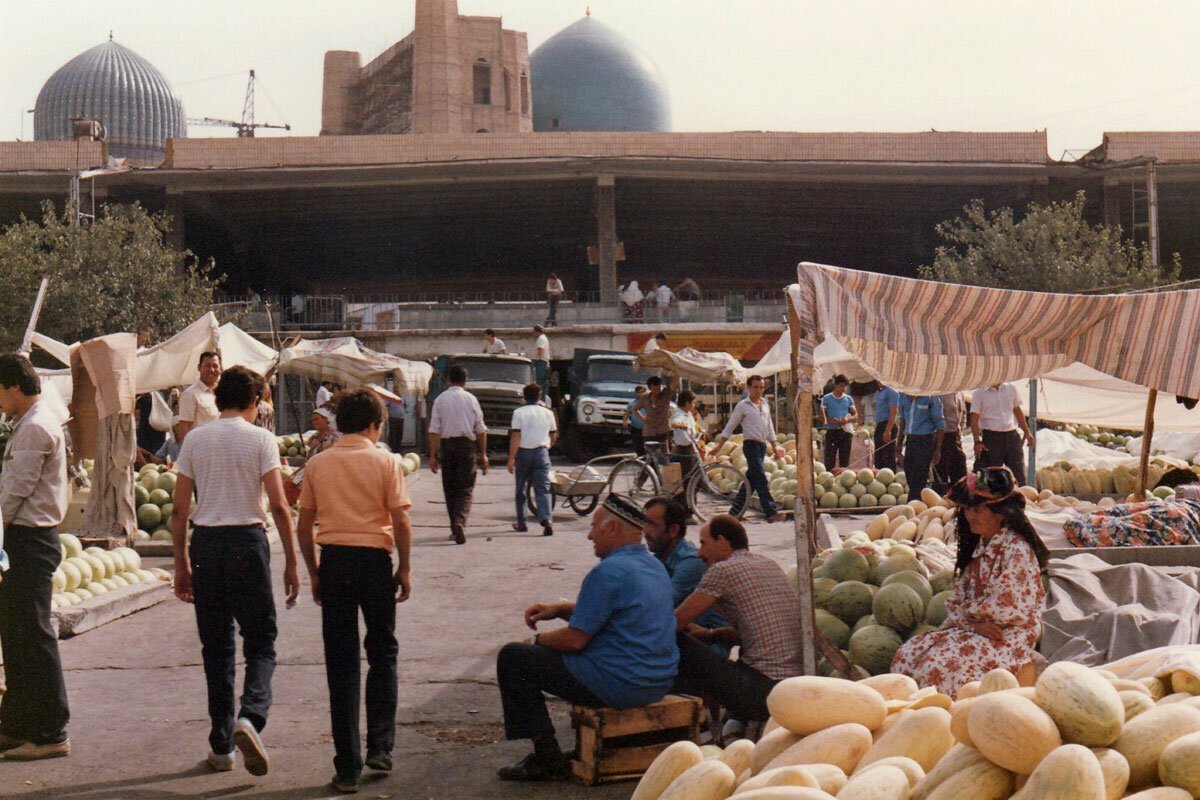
(34, 708)
(354, 579)
(918, 456)
(639, 445)
(231, 581)
(740, 689)
(457, 459)
(953, 464)
(885, 452)
(1003, 448)
(524, 672)
(837, 448)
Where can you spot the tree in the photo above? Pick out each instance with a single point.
(1051, 249)
(110, 275)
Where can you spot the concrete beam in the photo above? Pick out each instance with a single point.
(606, 237)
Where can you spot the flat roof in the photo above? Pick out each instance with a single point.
(1166, 147)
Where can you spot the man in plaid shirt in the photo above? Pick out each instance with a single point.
(752, 592)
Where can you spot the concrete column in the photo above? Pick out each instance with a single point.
(338, 114)
(606, 237)
(438, 98)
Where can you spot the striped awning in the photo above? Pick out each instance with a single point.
(926, 337)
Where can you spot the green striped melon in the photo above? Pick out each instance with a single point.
(834, 629)
(872, 648)
(821, 588)
(847, 565)
(935, 614)
(899, 607)
(942, 582)
(863, 622)
(914, 581)
(849, 601)
(897, 563)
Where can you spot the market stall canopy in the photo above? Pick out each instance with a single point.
(696, 365)
(1079, 394)
(346, 361)
(829, 359)
(926, 337)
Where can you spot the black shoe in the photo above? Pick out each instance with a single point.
(520, 527)
(547, 529)
(380, 762)
(534, 768)
(344, 785)
(457, 536)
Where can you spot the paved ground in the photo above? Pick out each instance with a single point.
(139, 728)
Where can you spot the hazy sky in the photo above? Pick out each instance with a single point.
(1075, 68)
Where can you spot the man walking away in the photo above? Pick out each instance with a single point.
(923, 442)
(753, 415)
(837, 414)
(226, 570)
(355, 493)
(887, 411)
(33, 500)
(533, 433)
(996, 416)
(197, 404)
(456, 434)
(663, 298)
(952, 466)
(554, 293)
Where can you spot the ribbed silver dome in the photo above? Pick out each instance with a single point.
(122, 90)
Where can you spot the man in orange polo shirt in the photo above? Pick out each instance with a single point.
(355, 494)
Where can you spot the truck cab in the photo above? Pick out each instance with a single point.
(601, 385)
(496, 381)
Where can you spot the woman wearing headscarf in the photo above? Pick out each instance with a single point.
(631, 302)
(995, 606)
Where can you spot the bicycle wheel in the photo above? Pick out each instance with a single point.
(717, 489)
(634, 480)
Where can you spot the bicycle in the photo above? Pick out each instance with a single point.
(708, 489)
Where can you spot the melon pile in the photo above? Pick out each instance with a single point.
(292, 446)
(781, 474)
(152, 492)
(84, 574)
(1065, 478)
(1078, 734)
(1100, 437)
(866, 488)
(409, 462)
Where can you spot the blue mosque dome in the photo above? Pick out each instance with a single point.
(589, 77)
(122, 90)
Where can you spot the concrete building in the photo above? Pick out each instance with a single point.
(452, 74)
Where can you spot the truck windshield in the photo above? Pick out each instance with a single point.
(487, 369)
(616, 371)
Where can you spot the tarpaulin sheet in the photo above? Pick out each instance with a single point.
(346, 361)
(696, 365)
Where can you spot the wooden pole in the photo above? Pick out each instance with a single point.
(1147, 438)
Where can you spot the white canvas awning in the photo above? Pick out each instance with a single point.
(346, 361)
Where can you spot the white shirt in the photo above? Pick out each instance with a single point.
(541, 347)
(755, 420)
(554, 287)
(33, 483)
(664, 295)
(651, 345)
(995, 407)
(686, 435)
(456, 413)
(495, 347)
(227, 460)
(535, 422)
(198, 405)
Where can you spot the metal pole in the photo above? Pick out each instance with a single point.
(1031, 469)
(1152, 202)
(27, 340)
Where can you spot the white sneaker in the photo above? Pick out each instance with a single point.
(220, 763)
(254, 755)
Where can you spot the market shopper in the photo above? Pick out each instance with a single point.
(634, 418)
(534, 431)
(266, 410)
(751, 590)
(33, 501)
(887, 427)
(656, 404)
(837, 420)
(952, 465)
(457, 437)
(197, 404)
(324, 436)
(493, 345)
(753, 415)
(541, 357)
(926, 427)
(632, 302)
(617, 649)
(355, 494)
(685, 432)
(999, 427)
(995, 605)
(225, 570)
(554, 293)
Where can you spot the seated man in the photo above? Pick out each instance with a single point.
(753, 592)
(665, 530)
(617, 649)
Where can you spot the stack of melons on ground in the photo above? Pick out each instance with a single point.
(152, 491)
(729, 451)
(1079, 734)
(84, 574)
(865, 488)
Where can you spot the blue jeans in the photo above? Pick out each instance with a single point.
(533, 468)
(756, 476)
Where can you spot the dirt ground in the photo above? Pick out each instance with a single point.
(139, 727)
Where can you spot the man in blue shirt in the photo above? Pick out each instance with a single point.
(665, 531)
(618, 648)
(887, 410)
(837, 414)
(925, 426)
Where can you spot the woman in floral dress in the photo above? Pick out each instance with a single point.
(995, 607)
(324, 436)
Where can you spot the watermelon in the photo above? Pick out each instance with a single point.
(876, 488)
(829, 500)
(141, 495)
(899, 607)
(847, 565)
(895, 489)
(869, 619)
(885, 476)
(847, 479)
(936, 613)
(873, 646)
(887, 500)
(161, 535)
(868, 500)
(149, 516)
(849, 601)
(160, 498)
(865, 476)
(858, 490)
(942, 582)
(821, 587)
(896, 563)
(848, 501)
(834, 629)
(920, 630)
(149, 481)
(166, 482)
(912, 580)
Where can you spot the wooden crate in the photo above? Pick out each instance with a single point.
(614, 744)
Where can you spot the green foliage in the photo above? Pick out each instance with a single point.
(1051, 249)
(111, 275)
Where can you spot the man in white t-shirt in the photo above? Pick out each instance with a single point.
(493, 345)
(225, 570)
(541, 357)
(554, 293)
(533, 433)
(663, 298)
(197, 404)
(999, 427)
(685, 431)
(656, 343)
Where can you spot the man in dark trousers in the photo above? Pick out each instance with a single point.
(887, 427)
(1000, 428)
(952, 467)
(456, 435)
(33, 500)
(926, 425)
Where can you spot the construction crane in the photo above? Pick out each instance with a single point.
(245, 128)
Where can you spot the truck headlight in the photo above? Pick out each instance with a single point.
(589, 409)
